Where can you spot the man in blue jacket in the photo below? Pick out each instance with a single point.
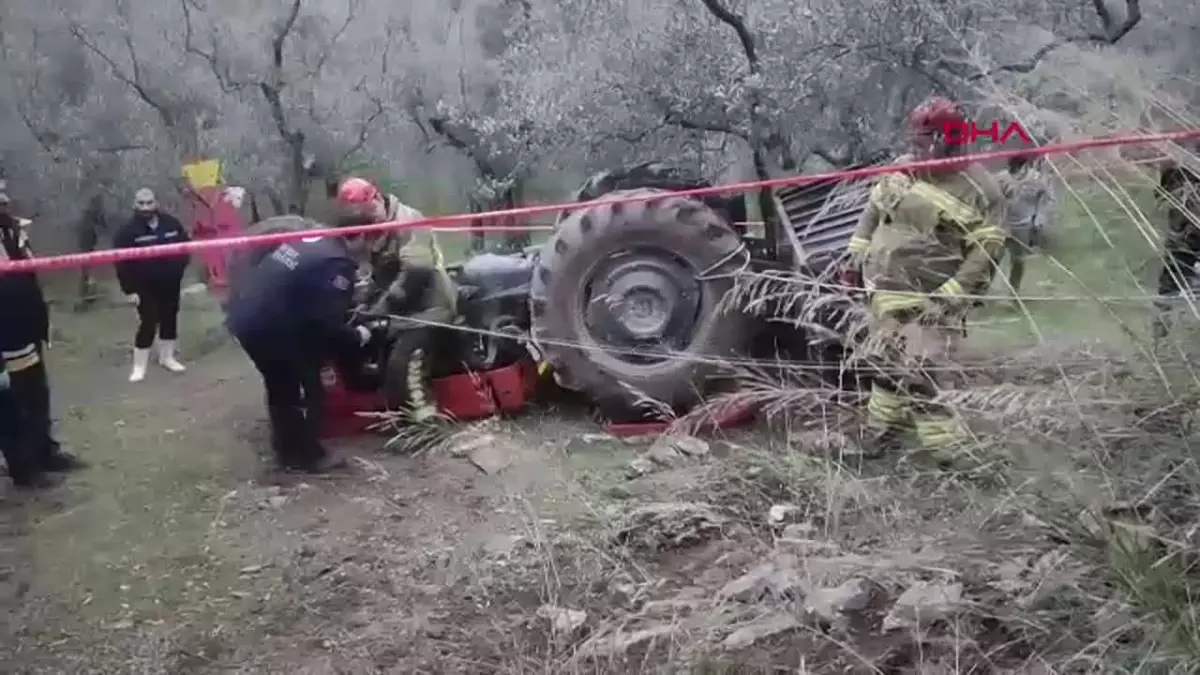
(290, 313)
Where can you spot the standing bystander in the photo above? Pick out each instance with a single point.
(92, 224)
(1029, 202)
(155, 283)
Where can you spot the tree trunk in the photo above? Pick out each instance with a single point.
(478, 236)
(514, 240)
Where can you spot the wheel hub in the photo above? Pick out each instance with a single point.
(641, 303)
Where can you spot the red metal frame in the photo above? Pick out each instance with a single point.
(464, 397)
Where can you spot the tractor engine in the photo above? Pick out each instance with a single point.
(493, 306)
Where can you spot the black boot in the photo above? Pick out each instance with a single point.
(296, 445)
(328, 462)
(316, 458)
(61, 461)
(285, 436)
(32, 479)
(879, 442)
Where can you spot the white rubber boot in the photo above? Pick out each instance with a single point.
(141, 359)
(166, 356)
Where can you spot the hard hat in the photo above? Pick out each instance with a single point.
(356, 192)
(933, 115)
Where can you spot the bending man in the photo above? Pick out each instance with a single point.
(290, 314)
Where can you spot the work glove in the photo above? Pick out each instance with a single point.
(134, 299)
(5, 380)
(364, 335)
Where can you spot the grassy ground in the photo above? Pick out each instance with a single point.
(1065, 548)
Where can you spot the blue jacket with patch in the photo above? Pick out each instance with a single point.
(137, 276)
(299, 295)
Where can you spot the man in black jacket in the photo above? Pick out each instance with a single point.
(155, 283)
(290, 312)
(24, 333)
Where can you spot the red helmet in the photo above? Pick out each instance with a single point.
(933, 115)
(357, 192)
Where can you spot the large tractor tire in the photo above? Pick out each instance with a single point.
(626, 300)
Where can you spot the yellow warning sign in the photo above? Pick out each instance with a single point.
(203, 174)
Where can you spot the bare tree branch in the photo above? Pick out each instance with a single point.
(676, 119)
(724, 15)
(351, 12)
(221, 72)
(133, 80)
(272, 88)
(364, 130)
(1112, 33)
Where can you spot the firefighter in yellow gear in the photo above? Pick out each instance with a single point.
(408, 278)
(927, 242)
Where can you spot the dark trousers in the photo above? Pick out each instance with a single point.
(158, 314)
(295, 400)
(21, 465)
(1019, 246)
(1178, 273)
(33, 444)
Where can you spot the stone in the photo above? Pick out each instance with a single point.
(760, 629)
(690, 446)
(492, 459)
(784, 513)
(831, 604)
(641, 467)
(922, 604)
(466, 446)
(664, 455)
(773, 579)
(563, 622)
(588, 442)
(503, 544)
(672, 608)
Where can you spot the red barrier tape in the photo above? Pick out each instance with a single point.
(111, 256)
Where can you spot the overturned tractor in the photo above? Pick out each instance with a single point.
(631, 302)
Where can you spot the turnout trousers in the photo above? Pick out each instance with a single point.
(911, 353)
(295, 400)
